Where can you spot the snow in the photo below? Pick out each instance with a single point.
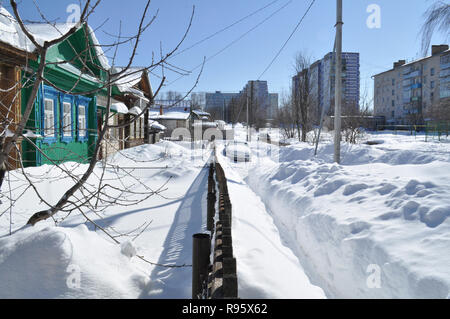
(387, 205)
(266, 267)
(59, 262)
(156, 125)
(12, 34)
(34, 261)
(376, 226)
(128, 79)
(201, 113)
(43, 32)
(135, 110)
(173, 113)
(119, 108)
(205, 124)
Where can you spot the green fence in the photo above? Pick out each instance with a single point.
(431, 131)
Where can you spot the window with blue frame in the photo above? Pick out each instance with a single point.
(67, 123)
(82, 118)
(48, 114)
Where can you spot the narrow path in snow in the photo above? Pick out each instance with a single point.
(190, 219)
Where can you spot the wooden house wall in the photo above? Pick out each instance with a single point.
(56, 150)
(10, 101)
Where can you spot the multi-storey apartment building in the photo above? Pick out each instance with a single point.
(217, 103)
(263, 105)
(409, 92)
(322, 82)
(266, 104)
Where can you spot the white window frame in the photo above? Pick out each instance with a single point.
(49, 114)
(67, 120)
(82, 125)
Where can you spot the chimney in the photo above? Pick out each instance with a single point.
(161, 110)
(436, 49)
(399, 63)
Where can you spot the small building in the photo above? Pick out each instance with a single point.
(172, 118)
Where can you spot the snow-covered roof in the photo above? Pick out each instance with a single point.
(128, 79)
(174, 113)
(205, 124)
(12, 34)
(119, 108)
(201, 113)
(156, 125)
(135, 111)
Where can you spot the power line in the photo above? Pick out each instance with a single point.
(226, 28)
(285, 43)
(234, 41)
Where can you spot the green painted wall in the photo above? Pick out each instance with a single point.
(57, 151)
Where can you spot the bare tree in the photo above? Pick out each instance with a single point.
(436, 17)
(83, 195)
(285, 117)
(302, 99)
(173, 96)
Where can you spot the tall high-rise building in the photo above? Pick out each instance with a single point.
(322, 82)
(408, 92)
(263, 105)
(217, 104)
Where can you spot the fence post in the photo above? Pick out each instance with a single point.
(201, 250)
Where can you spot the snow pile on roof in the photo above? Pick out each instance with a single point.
(47, 32)
(57, 262)
(201, 113)
(135, 111)
(156, 126)
(120, 108)
(98, 49)
(173, 113)
(385, 211)
(12, 34)
(205, 124)
(126, 81)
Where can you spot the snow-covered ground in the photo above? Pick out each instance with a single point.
(267, 268)
(376, 226)
(75, 260)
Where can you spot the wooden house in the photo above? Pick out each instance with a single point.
(133, 89)
(67, 121)
(14, 56)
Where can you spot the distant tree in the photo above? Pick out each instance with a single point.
(302, 96)
(173, 96)
(196, 101)
(436, 17)
(284, 118)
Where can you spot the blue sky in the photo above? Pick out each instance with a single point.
(398, 37)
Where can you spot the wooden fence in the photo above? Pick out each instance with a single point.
(217, 279)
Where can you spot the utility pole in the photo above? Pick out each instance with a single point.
(338, 85)
(248, 136)
(224, 117)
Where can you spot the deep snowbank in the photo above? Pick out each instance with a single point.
(379, 210)
(267, 268)
(57, 262)
(38, 262)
